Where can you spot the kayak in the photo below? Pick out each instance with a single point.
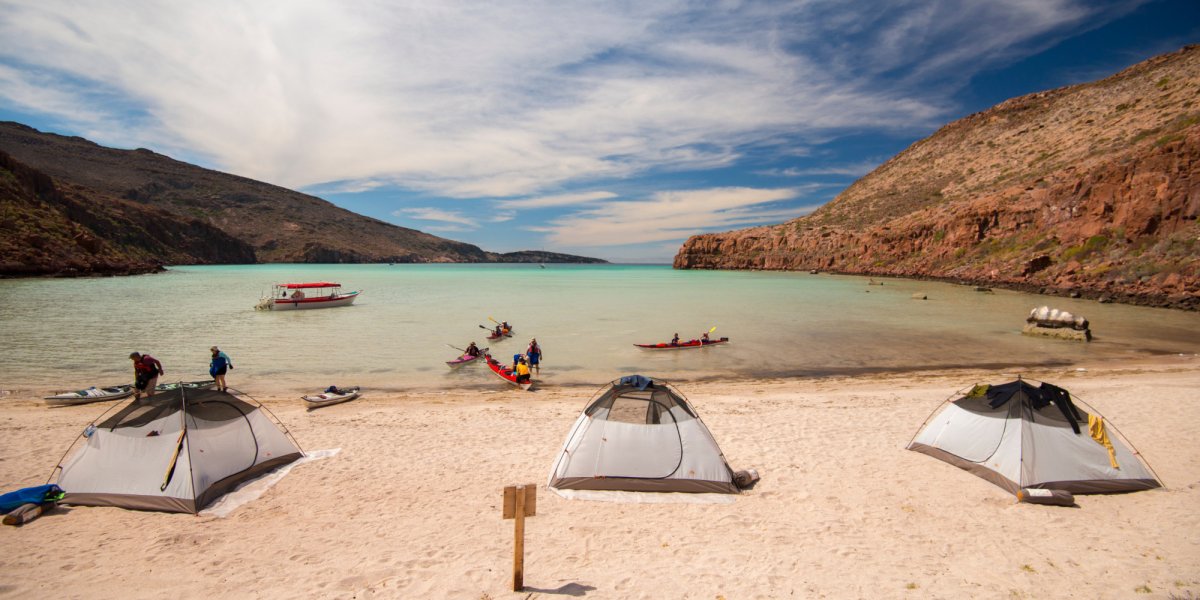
(327, 398)
(191, 385)
(92, 394)
(683, 345)
(492, 335)
(466, 359)
(504, 373)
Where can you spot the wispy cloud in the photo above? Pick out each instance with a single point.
(436, 214)
(671, 215)
(558, 200)
(848, 170)
(479, 99)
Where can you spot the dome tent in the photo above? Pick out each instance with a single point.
(176, 451)
(1017, 435)
(641, 435)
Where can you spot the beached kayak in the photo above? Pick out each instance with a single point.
(203, 384)
(326, 398)
(505, 373)
(92, 394)
(684, 345)
(466, 359)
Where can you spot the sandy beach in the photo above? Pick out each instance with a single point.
(410, 507)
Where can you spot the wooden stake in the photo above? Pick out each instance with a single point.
(520, 501)
(519, 542)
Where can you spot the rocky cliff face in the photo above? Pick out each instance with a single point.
(1090, 190)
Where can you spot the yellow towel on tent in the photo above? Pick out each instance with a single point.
(1096, 429)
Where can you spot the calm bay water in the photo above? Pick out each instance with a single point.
(70, 333)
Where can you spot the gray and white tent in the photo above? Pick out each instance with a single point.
(641, 435)
(1017, 435)
(176, 451)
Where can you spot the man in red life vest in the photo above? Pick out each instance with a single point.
(146, 370)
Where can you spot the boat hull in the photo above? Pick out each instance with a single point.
(689, 345)
(509, 376)
(115, 392)
(324, 399)
(310, 303)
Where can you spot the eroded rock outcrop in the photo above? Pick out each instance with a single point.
(1090, 190)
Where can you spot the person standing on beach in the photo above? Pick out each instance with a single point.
(218, 366)
(534, 352)
(146, 370)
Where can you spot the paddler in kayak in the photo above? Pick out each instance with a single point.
(704, 338)
(522, 371)
(472, 350)
(675, 340)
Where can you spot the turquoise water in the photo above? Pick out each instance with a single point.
(70, 333)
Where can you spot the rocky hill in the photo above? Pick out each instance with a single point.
(50, 228)
(143, 209)
(1090, 190)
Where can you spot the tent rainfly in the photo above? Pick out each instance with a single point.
(176, 451)
(641, 435)
(1016, 436)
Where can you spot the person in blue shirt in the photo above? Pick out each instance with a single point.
(217, 368)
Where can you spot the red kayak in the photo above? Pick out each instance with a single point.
(505, 373)
(684, 345)
(493, 336)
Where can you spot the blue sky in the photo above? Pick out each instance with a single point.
(609, 129)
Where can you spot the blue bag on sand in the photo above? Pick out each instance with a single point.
(30, 495)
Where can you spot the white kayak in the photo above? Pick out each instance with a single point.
(327, 398)
(92, 394)
(203, 384)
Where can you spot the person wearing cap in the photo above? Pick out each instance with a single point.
(522, 370)
(534, 352)
(146, 370)
(218, 366)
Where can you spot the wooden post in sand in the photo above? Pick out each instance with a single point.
(520, 501)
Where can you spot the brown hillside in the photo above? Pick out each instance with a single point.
(48, 229)
(276, 224)
(1091, 189)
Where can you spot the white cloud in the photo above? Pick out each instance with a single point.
(671, 215)
(557, 200)
(436, 214)
(479, 99)
(848, 170)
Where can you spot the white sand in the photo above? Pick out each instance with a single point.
(410, 508)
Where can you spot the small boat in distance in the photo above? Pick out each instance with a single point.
(683, 345)
(296, 296)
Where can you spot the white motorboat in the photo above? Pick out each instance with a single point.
(298, 296)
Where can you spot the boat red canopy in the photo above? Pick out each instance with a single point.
(319, 284)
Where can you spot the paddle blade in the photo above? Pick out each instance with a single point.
(714, 328)
(493, 320)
